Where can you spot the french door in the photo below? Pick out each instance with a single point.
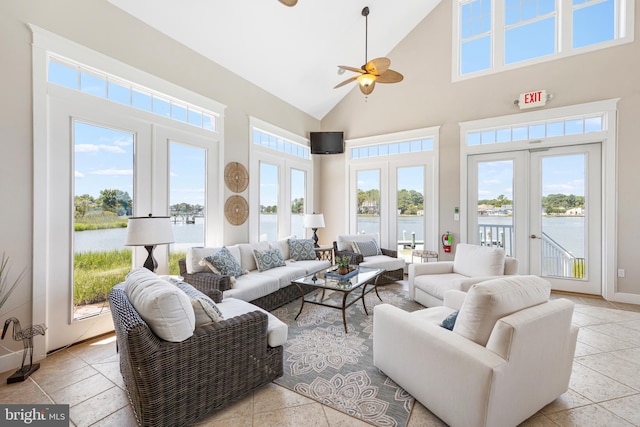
(544, 207)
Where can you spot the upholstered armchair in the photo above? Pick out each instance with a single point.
(357, 248)
(428, 282)
(508, 354)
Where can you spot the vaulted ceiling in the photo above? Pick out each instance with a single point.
(291, 52)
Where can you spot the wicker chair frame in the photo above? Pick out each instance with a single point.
(175, 384)
(356, 258)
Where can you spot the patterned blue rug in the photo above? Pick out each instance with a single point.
(335, 368)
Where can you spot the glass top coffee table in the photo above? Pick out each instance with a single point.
(338, 293)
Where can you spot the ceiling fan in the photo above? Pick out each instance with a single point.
(289, 3)
(376, 70)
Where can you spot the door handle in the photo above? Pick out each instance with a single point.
(533, 236)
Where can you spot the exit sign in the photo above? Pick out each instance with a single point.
(536, 98)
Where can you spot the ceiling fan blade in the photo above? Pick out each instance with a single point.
(378, 66)
(349, 80)
(289, 3)
(367, 89)
(390, 76)
(354, 69)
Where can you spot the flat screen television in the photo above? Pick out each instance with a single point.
(327, 142)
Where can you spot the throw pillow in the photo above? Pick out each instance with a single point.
(450, 321)
(205, 310)
(204, 262)
(166, 309)
(225, 263)
(302, 249)
(266, 260)
(369, 248)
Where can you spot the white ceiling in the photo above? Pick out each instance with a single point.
(291, 52)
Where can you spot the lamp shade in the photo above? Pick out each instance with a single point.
(149, 231)
(313, 220)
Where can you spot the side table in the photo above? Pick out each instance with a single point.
(424, 255)
(325, 253)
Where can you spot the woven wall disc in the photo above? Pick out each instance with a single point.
(236, 209)
(236, 177)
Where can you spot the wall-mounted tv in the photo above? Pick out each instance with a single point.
(327, 142)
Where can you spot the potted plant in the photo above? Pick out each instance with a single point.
(343, 263)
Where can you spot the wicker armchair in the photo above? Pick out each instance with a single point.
(176, 383)
(390, 275)
(204, 281)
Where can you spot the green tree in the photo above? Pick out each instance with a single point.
(108, 200)
(297, 206)
(82, 204)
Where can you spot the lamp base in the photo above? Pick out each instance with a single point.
(151, 263)
(315, 238)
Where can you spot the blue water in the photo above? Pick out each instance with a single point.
(567, 231)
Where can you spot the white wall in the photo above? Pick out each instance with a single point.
(427, 97)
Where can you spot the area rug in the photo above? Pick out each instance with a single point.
(335, 368)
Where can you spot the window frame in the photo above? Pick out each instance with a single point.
(624, 33)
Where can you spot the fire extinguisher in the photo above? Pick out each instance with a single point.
(447, 241)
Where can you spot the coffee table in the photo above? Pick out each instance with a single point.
(328, 287)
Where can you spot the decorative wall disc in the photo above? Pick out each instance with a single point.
(236, 209)
(236, 177)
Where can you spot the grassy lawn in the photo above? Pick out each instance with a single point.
(99, 222)
(95, 273)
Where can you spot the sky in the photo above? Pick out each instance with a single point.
(104, 157)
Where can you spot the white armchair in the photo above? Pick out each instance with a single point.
(509, 354)
(428, 282)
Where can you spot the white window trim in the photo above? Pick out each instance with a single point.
(625, 28)
(43, 43)
(609, 174)
(384, 163)
(286, 162)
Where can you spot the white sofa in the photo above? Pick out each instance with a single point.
(384, 258)
(509, 354)
(267, 289)
(428, 282)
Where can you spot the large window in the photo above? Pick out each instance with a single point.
(282, 184)
(393, 189)
(496, 35)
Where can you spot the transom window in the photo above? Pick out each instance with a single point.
(278, 143)
(500, 34)
(392, 148)
(73, 75)
(538, 130)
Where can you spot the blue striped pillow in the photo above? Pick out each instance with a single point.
(368, 248)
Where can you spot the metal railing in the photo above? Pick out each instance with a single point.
(556, 260)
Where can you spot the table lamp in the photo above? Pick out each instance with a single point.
(149, 231)
(314, 221)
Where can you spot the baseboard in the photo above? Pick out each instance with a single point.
(626, 298)
(11, 361)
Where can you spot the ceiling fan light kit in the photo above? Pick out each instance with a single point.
(289, 3)
(376, 70)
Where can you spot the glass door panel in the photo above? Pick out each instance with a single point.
(410, 210)
(368, 191)
(103, 194)
(269, 185)
(494, 207)
(298, 190)
(187, 201)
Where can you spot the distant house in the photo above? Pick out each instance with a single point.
(575, 211)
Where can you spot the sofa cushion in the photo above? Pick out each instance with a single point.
(195, 256)
(368, 248)
(286, 274)
(247, 258)
(310, 266)
(166, 308)
(302, 249)
(283, 245)
(489, 301)
(253, 285)
(438, 284)
(277, 330)
(204, 308)
(383, 261)
(474, 260)
(268, 259)
(225, 263)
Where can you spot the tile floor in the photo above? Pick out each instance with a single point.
(604, 388)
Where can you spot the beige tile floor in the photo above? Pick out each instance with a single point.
(604, 388)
